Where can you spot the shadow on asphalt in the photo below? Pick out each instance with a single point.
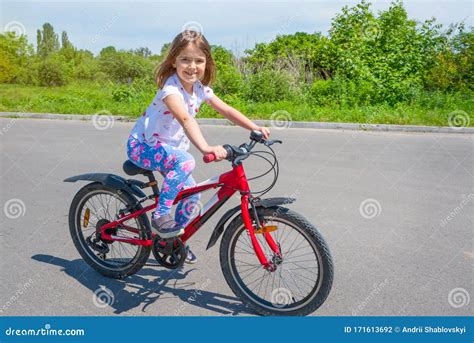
(141, 291)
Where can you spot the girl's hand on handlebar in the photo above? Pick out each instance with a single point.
(219, 152)
(265, 131)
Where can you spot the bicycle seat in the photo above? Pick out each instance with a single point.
(131, 169)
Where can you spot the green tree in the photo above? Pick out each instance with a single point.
(54, 70)
(67, 49)
(107, 51)
(454, 64)
(164, 49)
(270, 85)
(143, 52)
(86, 67)
(65, 43)
(306, 55)
(389, 52)
(229, 79)
(15, 57)
(47, 41)
(124, 66)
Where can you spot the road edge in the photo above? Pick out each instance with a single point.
(269, 123)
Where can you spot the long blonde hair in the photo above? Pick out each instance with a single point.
(180, 42)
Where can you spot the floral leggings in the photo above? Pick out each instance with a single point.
(176, 166)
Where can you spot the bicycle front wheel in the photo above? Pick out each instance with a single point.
(304, 273)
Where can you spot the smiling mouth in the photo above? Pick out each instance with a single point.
(190, 74)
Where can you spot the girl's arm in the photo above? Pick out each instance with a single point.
(236, 117)
(191, 127)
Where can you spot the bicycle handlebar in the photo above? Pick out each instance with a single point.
(243, 150)
(208, 158)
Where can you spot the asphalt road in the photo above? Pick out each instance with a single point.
(396, 210)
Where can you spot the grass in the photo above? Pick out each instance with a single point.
(89, 98)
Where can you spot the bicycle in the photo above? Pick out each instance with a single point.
(264, 242)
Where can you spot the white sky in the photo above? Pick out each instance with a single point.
(128, 24)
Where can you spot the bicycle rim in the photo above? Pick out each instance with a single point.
(296, 281)
(103, 204)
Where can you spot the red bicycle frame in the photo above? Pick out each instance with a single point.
(228, 183)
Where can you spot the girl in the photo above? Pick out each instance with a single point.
(160, 138)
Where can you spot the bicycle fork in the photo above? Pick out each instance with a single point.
(270, 266)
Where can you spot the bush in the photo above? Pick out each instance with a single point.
(124, 66)
(140, 91)
(454, 65)
(54, 71)
(269, 85)
(320, 92)
(229, 81)
(341, 92)
(85, 68)
(15, 53)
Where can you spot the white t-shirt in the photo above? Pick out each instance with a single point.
(158, 124)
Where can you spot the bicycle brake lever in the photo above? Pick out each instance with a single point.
(268, 143)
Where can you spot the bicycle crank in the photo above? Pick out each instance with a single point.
(170, 253)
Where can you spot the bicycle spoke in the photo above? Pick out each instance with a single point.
(290, 246)
(300, 266)
(249, 252)
(250, 264)
(288, 288)
(303, 269)
(298, 272)
(261, 283)
(283, 240)
(257, 279)
(302, 276)
(289, 252)
(299, 261)
(102, 206)
(309, 253)
(268, 280)
(251, 270)
(296, 283)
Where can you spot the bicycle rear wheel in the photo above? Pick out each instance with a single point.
(95, 205)
(304, 274)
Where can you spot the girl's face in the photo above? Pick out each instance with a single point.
(190, 66)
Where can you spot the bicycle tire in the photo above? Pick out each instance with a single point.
(316, 241)
(88, 254)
